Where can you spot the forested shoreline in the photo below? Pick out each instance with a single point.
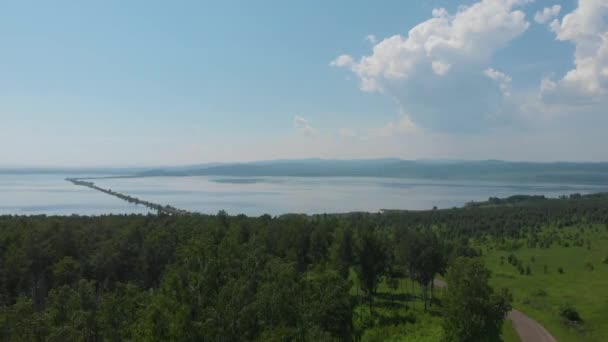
(293, 277)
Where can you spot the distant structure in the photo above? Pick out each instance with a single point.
(160, 209)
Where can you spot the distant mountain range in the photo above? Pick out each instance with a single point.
(489, 170)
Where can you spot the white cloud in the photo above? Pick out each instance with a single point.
(503, 80)
(342, 61)
(547, 14)
(440, 68)
(371, 38)
(435, 72)
(587, 28)
(303, 126)
(472, 35)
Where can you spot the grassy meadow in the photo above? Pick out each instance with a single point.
(399, 315)
(399, 312)
(583, 283)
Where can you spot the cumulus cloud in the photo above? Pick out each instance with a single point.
(587, 28)
(435, 72)
(371, 38)
(342, 61)
(303, 126)
(471, 35)
(440, 68)
(503, 80)
(547, 14)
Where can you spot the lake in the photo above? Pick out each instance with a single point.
(52, 195)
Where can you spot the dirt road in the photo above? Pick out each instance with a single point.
(528, 329)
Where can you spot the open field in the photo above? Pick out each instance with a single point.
(399, 315)
(583, 283)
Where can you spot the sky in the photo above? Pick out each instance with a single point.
(142, 83)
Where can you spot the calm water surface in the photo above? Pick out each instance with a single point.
(51, 194)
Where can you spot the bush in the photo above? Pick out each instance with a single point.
(569, 313)
(605, 261)
(589, 266)
(560, 270)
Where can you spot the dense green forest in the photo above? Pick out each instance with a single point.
(357, 276)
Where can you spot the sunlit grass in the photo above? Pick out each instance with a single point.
(508, 332)
(398, 314)
(540, 294)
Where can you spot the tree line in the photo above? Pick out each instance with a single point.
(227, 278)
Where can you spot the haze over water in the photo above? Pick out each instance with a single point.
(52, 195)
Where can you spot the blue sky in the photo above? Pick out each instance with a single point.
(158, 83)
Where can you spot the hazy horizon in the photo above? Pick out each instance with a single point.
(214, 163)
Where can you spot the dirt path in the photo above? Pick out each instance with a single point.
(528, 329)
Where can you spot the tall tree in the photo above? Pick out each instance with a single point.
(371, 263)
(426, 258)
(473, 311)
(342, 253)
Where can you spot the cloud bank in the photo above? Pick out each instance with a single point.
(441, 71)
(436, 71)
(587, 29)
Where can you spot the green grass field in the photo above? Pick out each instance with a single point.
(399, 312)
(508, 332)
(583, 284)
(399, 316)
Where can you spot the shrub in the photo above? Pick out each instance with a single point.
(605, 261)
(560, 270)
(589, 266)
(569, 313)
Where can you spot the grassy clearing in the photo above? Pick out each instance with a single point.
(398, 315)
(508, 332)
(583, 283)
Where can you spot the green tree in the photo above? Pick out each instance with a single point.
(372, 262)
(118, 311)
(66, 271)
(426, 259)
(342, 254)
(19, 322)
(72, 312)
(472, 310)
